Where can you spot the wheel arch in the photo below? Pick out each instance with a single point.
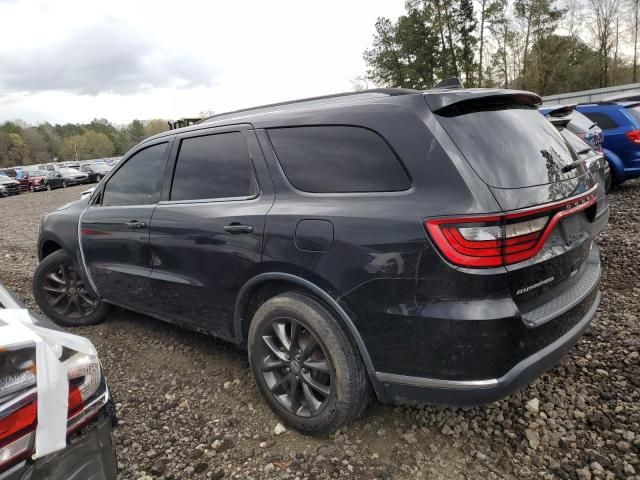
(615, 163)
(278, 282)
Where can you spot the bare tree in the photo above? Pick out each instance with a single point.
(604, 13)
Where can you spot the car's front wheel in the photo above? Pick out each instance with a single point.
(61, 294)
(305, 365)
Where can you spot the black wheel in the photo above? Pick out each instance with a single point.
(64, 184)
(98, 178)
(48, 186)
(61, 294)
(306, 367)
(31, 189)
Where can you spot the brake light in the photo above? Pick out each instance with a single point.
(18, 400)
(633, 135)
(487, 241)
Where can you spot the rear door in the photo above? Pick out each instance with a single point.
(115, 229)
(548, 195)
(206, 234)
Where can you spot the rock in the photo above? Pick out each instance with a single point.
(623, 446)
(269, 467)
(583, 474)
(628, 469)
(446, 430)
(532, 437)
(533, 405)
(410, 438)
(279, 429)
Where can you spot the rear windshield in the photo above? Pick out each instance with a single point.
(509, 146)
(580, 123)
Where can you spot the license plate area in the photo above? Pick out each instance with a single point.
(572, 228)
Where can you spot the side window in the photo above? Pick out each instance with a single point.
(337, 159)
(139, 180)
(604, 121)
(213, 166)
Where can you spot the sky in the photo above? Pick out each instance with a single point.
(72, 61)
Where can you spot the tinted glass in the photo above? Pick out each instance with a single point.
(635, 113)
(578, 146)
(213, 166)
(510, 147)
(604, 121)
(580, 123)
(334, 159)
(139, 180)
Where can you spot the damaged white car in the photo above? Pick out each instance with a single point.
(56, 412)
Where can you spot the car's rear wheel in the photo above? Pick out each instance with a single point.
(64, 184)
(306, 367)
(49, 186)
(62, 295)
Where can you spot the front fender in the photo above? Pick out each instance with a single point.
(61, 228)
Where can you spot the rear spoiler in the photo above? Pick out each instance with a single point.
(561, 116)
(458, 101)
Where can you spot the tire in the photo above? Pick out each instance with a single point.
(45, 290)
(49, 187)
(345, 379)
(98, 178)
(64, 184)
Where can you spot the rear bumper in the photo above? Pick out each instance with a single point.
(406, 389)
(88, 455)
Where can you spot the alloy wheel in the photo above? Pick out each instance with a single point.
(295, 367)
(65, 292)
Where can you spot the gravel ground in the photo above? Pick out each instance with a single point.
(188, 407)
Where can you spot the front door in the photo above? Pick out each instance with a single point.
(206, 238)
(115, 229)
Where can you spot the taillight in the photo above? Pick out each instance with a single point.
(18, 399)
(487, 241)
(633, 135)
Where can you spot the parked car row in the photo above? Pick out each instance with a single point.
(417, 246)
(28, 179)
(615, 127)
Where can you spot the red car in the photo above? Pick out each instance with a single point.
(32, 180)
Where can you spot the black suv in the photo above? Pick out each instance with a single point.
(430, 246)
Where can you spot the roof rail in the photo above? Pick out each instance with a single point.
(453, 82)
(361, 93)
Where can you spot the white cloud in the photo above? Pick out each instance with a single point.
(76, 60)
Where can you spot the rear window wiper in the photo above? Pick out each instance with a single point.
(572, 165)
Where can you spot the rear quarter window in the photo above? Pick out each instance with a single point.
(603, 120)
(338, 159)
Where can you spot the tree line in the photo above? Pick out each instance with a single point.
(544, 46)
(24, 144)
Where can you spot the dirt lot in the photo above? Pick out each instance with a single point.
(188, 407)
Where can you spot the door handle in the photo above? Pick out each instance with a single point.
(136, 225)
(238, 228)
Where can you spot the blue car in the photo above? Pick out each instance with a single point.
(620, 123)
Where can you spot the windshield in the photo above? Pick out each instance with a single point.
(38, 173)
(509, 146)
(69, 171)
